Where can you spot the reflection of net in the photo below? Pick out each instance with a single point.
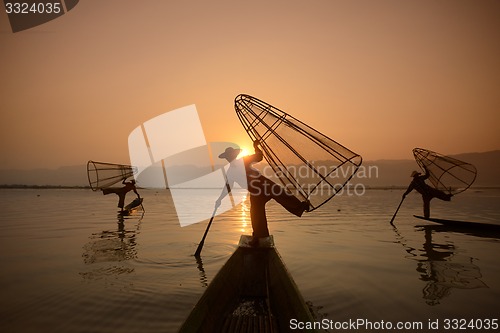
(446, 173)
(442, 276)
(309, 164)
(110, 247)
(102, 175)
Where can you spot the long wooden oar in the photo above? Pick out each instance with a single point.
(200, 246)
(394, 216)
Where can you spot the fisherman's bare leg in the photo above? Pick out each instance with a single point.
(121, 201)
(286, 199)
(258, 216)
(427, 206)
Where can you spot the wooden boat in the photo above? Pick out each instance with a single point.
(253, 292)
(475, 226)
(131, 207)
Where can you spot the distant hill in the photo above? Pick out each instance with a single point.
(380, 173)
(63, 176)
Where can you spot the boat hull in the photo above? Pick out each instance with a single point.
(253, 292)
(477, 226)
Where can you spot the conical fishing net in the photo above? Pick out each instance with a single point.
(306, 162)
(446, 174)
(102, 175)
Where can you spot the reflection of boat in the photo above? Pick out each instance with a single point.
(253, 292)
(465, 225)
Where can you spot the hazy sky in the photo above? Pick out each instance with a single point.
(380, 77)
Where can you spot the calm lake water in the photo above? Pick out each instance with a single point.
(68, 264)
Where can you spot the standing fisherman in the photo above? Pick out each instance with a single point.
(261, 190)
(427, 192)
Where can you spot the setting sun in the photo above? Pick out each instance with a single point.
(244, 152)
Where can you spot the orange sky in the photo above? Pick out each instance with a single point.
(380, 77)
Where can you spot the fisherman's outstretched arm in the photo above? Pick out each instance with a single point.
(409, 189)
(225, 191)
(427, 174)
(257, 156)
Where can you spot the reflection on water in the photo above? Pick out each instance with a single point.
(245, 216)
(444, 270)
(71, 266)
(114, 245)
(203, 275)
(441, 267)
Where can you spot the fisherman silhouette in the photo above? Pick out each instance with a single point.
(260, 188)
(122, 192)
(427, 192)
